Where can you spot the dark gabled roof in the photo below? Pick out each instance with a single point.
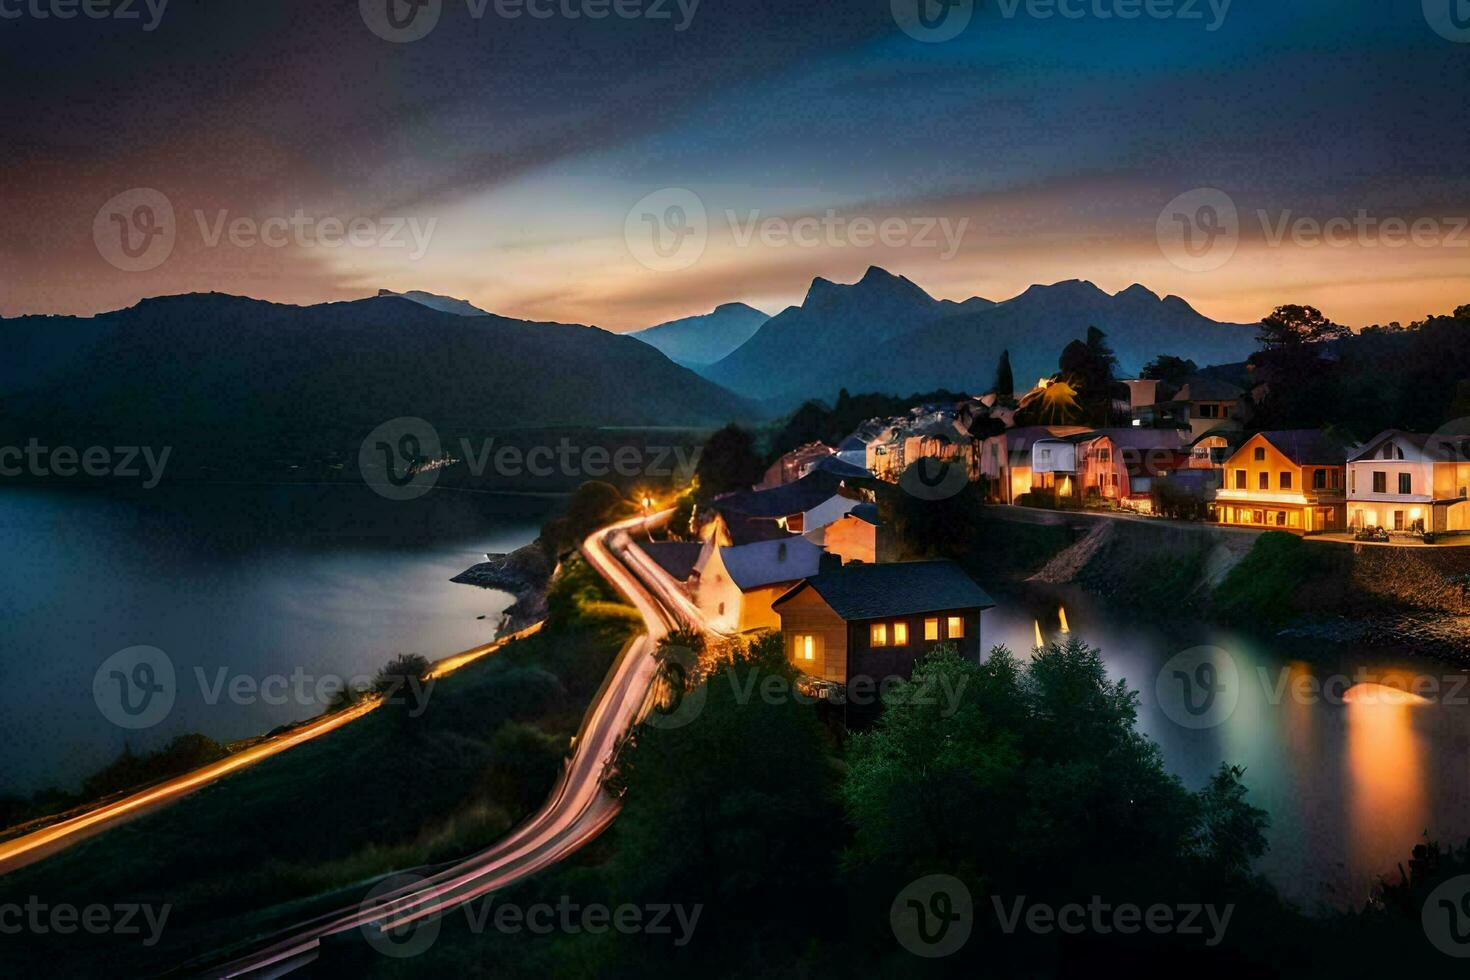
(793, 498)
(1307, 447)
(859, 591)
(675, 557)
(867, 512)
(1199, 388)
(768, 562)
(1136, 437)
(748, 530)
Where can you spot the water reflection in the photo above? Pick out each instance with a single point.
(1353, 757)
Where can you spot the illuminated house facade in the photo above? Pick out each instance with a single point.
(1287, 481)
(875, 621)
(1410, 482)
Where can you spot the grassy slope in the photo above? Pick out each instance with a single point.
(385, 792)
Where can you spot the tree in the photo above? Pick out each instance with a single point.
(402, 681)
(1089, 367)
(728, 462)
(1291, 327)
(1169, 369)
(1005, 381)
(593, 505)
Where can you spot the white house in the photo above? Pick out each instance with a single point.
(738, 583)
(1408, 481)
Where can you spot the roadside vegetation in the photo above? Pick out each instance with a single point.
(420, 780)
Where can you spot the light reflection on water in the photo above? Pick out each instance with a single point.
(1352, 775)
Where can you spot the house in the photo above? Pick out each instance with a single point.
(1211, 450)
(859, 535)
(1408, 481)
(815, 500)
(794, 465)
(737, 584)
(1201, 404)
(1121, 465)
(1005, 459)
(937, 437)
(1291, 481)
(875, 621)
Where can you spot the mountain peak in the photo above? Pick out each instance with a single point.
(444, 304)
(1137, 291)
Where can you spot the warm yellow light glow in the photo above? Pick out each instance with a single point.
(1065, 627)
(1039, 642)
(878, 635)
(956, 627)
(900, 634)
(808, 647)
(931, 629)
(1368, 693)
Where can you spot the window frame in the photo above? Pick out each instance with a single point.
(950, 631)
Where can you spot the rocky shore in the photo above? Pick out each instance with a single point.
(525, 574)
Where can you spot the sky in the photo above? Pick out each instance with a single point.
(548, 163)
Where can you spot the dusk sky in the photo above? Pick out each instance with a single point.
(1047, 146)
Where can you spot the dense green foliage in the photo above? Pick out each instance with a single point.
(1264, 587)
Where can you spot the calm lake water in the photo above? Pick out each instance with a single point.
(1351, 782)
(289, 581)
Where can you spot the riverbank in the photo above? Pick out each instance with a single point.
(1406, 599)
(525, 573)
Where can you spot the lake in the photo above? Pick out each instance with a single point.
(268, 590)
(1352, 775)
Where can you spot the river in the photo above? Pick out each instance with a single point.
(1352, 775)
(264, 590)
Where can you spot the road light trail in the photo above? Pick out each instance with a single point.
(579, 808)
(32, 847)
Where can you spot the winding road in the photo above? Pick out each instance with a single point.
(579, 808)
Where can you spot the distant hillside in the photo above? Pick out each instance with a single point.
(802, 351)
(886, 334)
(243, 376)
(444, 304)
(697, 341)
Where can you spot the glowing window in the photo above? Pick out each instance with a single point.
(878, 634)
(956, 627)
(807, 646)
(931, 629)
(900, 634)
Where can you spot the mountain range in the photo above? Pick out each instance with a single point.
(236, 374)
(886, 334)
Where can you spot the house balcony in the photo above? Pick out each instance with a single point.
(1322, 498)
